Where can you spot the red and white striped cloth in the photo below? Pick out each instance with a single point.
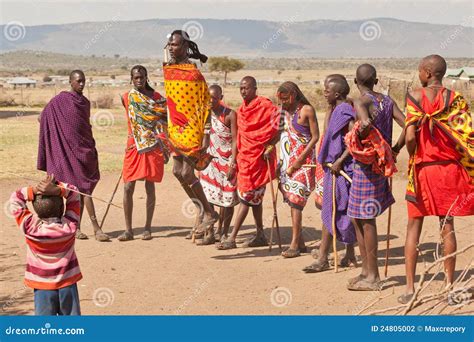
(51, 261)
(218, 189)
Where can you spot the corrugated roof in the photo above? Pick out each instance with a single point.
(21, 80)
(454, 72)
(469, 71)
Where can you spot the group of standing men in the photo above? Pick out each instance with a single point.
(235, 154)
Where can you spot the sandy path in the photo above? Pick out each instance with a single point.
(169, 275)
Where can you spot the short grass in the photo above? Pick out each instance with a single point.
(19, 144)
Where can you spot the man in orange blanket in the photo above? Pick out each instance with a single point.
(440, 140)
(257, 134)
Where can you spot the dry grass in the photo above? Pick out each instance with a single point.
(109, 97)
(19, 144)
(19, 134)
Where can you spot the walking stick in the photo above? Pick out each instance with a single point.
(110, 202)
(343, 174)
(275, 214)
(388, 232)
(60, 186)
(334, 222)
(193, 234)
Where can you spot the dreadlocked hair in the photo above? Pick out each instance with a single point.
(142, 69)
(291, 87)
(193, 49)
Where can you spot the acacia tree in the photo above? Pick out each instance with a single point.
(225, 65)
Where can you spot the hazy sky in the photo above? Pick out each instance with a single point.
(38, 12)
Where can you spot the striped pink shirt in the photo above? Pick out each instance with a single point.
(51, 261)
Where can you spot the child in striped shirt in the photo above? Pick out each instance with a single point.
(52, 269)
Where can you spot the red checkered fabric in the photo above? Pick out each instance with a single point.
(373, 150)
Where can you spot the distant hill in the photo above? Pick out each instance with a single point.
(375, 38)
(27, 62)
(53, 63)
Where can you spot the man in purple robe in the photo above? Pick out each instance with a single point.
(333, 150)
(66, 146)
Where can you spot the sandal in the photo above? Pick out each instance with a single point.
(146, 235)
(459, 296)
(347, 262)
(364, 285)
(258, 240)
(226, 245)
(80, 235)
(207, 224)
(290, 253)
(354, 280)
(405, 298)
(101, 237)
(317, 267)
(209, 239)
(126, 236)
(197, 235)
(193, 229)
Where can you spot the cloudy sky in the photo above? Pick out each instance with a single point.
(38, 12)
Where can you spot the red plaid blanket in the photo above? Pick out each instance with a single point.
(373, 150)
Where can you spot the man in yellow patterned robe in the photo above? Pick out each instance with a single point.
(189, 125)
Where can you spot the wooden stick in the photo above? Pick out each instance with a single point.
(334, 248)
(343, 174)
(410, 304)
(393, 308)
(276, 220)
(111, 199)
(275, 194)
(388, 231)
(76, 191)
(275, 213)
(390, 208)
(377, 300)
(271, 232)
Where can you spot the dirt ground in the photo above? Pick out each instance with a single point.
(170, 275)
